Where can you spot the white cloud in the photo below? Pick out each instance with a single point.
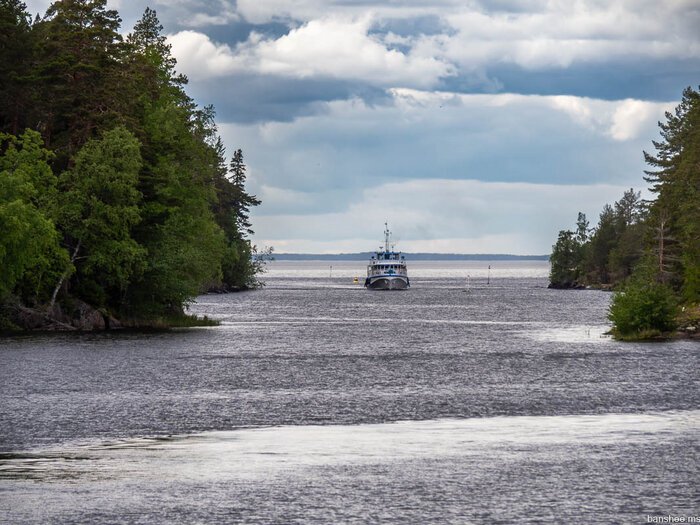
(341, 49)
(566, 32)
(336, 41)
(631, 116)
(620, 119)
(198, 57)
(327, 48)
(533, 35)
(203, 19)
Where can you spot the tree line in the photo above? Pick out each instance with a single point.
(115, 190)
(649, 250)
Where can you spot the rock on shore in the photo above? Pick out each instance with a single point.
(74, 315)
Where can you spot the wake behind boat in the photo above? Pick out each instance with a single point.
(387, 269)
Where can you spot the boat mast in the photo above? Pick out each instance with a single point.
(386, 237)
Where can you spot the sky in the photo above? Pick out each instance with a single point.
(471, 126)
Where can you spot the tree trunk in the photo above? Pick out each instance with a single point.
(63, 276)
(662, 226)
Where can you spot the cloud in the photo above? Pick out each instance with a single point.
(611, 50)
(198, 57)
(443, 216)
(352, 112)
(220, 19)
(334, 41)
(347, 145)
(566, 32)
(631, 116)
(342, 49)
(481, 170)
(531, 35)
(622, 120)
(306, 10)
(327, 48)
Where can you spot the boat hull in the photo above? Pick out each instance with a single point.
(387, 283)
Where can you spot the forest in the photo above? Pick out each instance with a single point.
(117, 202)
(647, 250)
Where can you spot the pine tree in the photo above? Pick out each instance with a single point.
(16, 50)
(674, 216)
(565, 260)
(242, 201)
(602, 242)
(79, 47)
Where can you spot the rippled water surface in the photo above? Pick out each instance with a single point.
(317, 401)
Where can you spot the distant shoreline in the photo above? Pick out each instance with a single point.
(410, 256)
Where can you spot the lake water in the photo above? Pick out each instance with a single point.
(317, 401)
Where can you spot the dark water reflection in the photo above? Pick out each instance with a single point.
(617, 423)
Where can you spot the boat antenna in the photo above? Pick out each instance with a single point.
(386, 236)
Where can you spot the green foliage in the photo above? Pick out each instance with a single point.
(29, 242)
(185, 245)
(629, 248)
(601, 244)
(131, 206)
(664, 233)
(99, 208)
(674, 216)
(16, 46)
(75, 73)
(606, 255)
(565, 260)
(644, 306)
(241, 262)
(241, 201)
(184, 253)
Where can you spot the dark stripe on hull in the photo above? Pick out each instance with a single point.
(388, 283)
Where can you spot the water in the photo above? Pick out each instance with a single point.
(317, 401)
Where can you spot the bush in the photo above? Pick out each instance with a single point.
(642, 308)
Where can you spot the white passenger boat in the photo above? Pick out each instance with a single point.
(387, 269)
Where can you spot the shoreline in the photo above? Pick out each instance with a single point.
(81, 317)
